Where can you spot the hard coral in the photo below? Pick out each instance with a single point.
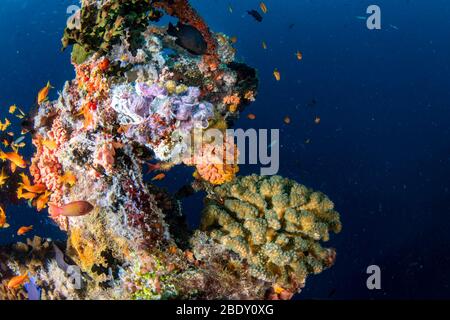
(275, 225)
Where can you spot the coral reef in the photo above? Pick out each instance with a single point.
(139, 98)
(275, 225)
(99, 26)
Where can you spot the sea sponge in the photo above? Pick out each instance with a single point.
(275, 225)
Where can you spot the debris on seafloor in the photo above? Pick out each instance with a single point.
(141, 94)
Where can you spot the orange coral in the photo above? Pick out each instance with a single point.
(216, 163)
(90, 79)
(232, 99)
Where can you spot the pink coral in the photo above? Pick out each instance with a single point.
(105, 156)
(45, 167)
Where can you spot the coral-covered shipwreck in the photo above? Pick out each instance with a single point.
(137, 98)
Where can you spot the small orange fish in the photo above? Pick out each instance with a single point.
(73, 209)
(49, 144)
(3, 177)
(43, 93)
(23, 230)
(233, 39)
(4, 126)
(153, 167)
(18, 281)
(26, 195)
(317, 120)
(277, 74)
(15, 159)
(12, 109)
(38, 188)
(263, 7)
(68, 178)
(42, 201)
(3, 223)
(251, 116)
(159, 177)
(287, 120)
(299, 55)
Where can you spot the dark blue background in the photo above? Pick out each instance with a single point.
(381, 151)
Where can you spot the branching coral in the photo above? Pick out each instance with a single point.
(274, 224)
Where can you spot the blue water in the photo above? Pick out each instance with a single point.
(381, 151)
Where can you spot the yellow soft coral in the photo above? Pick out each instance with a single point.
(84, 250)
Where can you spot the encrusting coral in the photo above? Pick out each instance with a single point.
(275, 225)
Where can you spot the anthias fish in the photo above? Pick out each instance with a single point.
(23, 230)
(18, 281)
(159, 177)
(263, 7)
(188, 38)
(3, 223)
(68, 178)
(73, 209)
(3, 177)
(15, 159)
(277, 74)
(43, 93)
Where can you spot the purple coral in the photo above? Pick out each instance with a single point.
(151, 92)
(139, 105)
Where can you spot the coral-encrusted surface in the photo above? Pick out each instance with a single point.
(139, 97)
